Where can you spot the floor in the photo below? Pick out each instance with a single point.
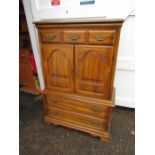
(36, 138)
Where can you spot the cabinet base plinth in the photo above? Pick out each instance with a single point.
(104, 136)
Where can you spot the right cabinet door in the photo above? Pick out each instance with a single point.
(93, 70)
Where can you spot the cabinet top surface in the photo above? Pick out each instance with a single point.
(80, 21)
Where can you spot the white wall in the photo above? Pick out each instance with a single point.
(71, 9)
(124, 79)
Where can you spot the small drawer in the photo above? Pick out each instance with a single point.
(78, 119)
(50, 36)
(78, 106)
(105, 37)
(74, 36)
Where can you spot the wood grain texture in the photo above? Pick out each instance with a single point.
(92, 67)
(116, 24)
(79, 77)
(52, 36)
(102, 37)
(58, 67)
(71, 112)
(74, 36)
(88, 108)
(25, 72)
(103, 135)
(79, 119)
(81, 98)
(29, 90)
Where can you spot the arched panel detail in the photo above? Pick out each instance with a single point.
(102, 57)
(93, 66)
(58, 61)
(56, 50)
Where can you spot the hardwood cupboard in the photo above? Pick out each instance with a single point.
(78, 63)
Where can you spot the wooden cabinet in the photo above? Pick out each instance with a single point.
(78, 63)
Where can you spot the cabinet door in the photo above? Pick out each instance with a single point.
(93, 69)
(58, 67)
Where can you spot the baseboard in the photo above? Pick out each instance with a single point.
(125, 64)
(130, 103)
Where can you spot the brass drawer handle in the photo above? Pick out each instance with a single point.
(74, 36)
(97, 110)
(100, 37)
(51, 36)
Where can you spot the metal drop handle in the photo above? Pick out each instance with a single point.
(100, 37)
(74, 36)
(51, 37)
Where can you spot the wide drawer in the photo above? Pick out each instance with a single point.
(74, 36)
(78, 119)
(105, 37)
(87, 108)
(50, 36)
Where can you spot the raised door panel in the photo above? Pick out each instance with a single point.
(58, 67)
(93, 69)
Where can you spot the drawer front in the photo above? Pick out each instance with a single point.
(50, 36)
(78, 119)
(105, 37)
(78, 106)
(74, 36)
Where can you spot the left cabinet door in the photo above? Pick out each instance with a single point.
(58, 67)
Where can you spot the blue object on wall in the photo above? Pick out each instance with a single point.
(86, 2)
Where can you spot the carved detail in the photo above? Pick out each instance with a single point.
(56, 50)
(79, 25)
(101, 57)
(51, 54)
